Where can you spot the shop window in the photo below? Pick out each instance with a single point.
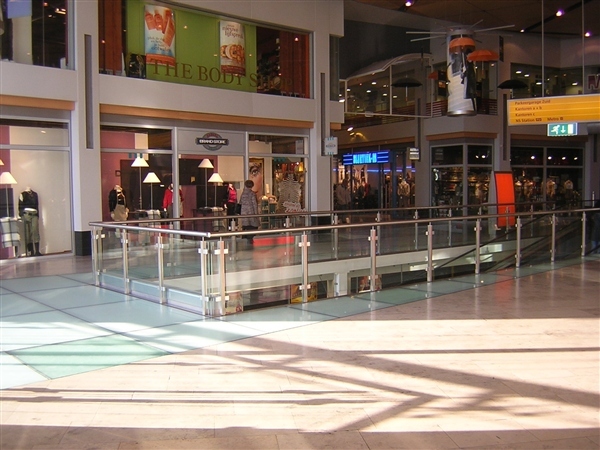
(35, 32)
(37, 200)
(447, 155)
(479, 154)
(527, 156)
(556, 182)
(251, 58)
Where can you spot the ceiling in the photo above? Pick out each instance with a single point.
(520, 15)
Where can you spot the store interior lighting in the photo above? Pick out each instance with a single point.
(140, 162)
(215, 178)
(151, 179)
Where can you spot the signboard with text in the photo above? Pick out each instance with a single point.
(545, 110)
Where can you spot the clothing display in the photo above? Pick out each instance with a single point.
(167, 203)
(117, 203)
(28, 210)
(230, 200)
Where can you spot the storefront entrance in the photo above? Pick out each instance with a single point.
(378, 179)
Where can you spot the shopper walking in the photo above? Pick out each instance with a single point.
(249, 207)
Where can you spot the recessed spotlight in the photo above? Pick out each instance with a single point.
(588, 34)
(559, 13)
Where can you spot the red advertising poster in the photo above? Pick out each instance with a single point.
(232, 47)
(505, 197)
(159, 35)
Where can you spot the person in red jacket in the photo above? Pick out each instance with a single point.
(168, 201)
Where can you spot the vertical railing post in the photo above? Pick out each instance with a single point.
(373, 250)
(96, 254)
(233, 245)
(450, 227)
(304, 244)
(416, 217)
(336, 236)
(477, 246)
(125, 247)
(429, 234)
(507, 221)
(583, 236)
(219, 305)
(161, 268)
(553, 250)
(518, 249)
(378, 220)
(203, 252)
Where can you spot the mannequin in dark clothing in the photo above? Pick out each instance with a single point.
(29, 211)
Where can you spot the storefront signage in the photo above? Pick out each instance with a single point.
(212, 141)
(366, 158)
(541, 111)
(414, 154)
(330, 146)
(562, 129)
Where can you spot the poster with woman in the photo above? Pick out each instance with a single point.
(159, 35)
(255, 173)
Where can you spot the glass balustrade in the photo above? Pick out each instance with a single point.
(233, 271)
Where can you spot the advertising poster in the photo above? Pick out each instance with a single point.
(232, 48)
(461, 76)
(159, 35)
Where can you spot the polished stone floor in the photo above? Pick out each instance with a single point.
(508, 360)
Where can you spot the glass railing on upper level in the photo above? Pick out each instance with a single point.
(227, 271)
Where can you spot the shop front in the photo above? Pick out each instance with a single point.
(209, 162)
(377, 177)
(35, 187)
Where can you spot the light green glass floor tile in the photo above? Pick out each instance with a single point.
(341, 306)
(396, 296)
(70, 358)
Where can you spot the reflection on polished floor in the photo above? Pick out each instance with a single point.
(502, 360)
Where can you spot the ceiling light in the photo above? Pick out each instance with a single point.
(350, 128)
(408, 3)
(522, 30)
(588, 34)
(559, 13)
(519, 71)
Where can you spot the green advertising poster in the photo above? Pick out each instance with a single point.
(180, 46)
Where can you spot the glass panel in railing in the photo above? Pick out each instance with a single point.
(568, 236)
(262, 270)
(110, 248)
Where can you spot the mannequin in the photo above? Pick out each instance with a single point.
(28, 210)
(550, 188)
(403, 193)
(117, 203)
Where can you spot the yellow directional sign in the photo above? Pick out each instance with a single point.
(544, 110)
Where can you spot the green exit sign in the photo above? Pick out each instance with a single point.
(562, 129)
